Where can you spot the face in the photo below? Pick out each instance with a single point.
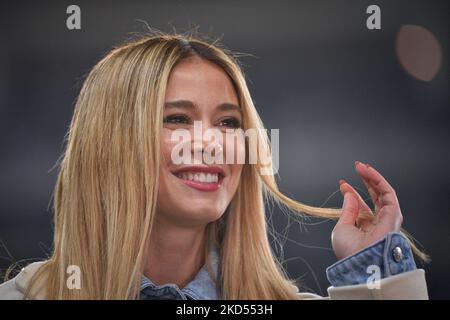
(198, 192)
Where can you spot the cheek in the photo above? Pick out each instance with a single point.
(166, 147)
(235, 142)
(234, 148)
(236, 172)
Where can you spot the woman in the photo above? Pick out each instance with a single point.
(139, 225)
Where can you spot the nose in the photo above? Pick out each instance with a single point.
(207, 144)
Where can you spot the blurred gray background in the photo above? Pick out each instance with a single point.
(336, 90)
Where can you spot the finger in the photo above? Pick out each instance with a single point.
(344, 186)
(376, 198)
(350, 210)
(378, 183)
(362, 223)
(388, 202)
(373, 194)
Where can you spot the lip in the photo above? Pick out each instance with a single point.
(202, 186)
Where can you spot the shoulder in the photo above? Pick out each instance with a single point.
(9, 291)
(14, 289)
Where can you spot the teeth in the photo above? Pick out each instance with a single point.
(200, 177)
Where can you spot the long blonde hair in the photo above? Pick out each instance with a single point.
(105, 194)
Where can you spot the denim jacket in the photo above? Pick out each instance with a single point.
(388, 257)
(202, 287)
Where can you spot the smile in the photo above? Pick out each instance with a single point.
(201, 178)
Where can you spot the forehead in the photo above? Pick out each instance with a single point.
(200, 81)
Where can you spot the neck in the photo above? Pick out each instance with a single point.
(175, 253)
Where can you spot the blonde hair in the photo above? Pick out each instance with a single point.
(105, 193)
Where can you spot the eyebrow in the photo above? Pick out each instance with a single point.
(186, 104)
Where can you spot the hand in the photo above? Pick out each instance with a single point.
(351, 233)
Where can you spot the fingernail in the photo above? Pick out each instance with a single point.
(341, 181)
(356, 163)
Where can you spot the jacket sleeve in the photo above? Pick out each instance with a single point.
(409, 285)
(383, 270)
(387, 257)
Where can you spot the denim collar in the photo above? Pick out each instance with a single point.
(202, 287)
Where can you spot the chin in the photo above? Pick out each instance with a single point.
(203, 213)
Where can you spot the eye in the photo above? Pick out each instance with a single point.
(177, 119)
(230, 123)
